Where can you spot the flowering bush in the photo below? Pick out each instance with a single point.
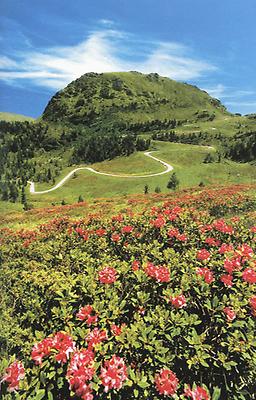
(159, 304)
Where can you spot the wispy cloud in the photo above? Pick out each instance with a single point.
(223, 92)
(104, 50)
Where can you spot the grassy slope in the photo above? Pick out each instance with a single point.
(186, 160)
(11, 117)
(227, 125)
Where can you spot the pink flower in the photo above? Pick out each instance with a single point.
(252, 302)
(107, 275)
(212, 241)
(118, 218)
(227, 280)
(95, 337)
(159, 273)
(135, 265)
(64, 344)
(198, 393)
(159, 222)
(61, 342)
(80, 372)
(127, 229)
(174, 232)
(41, 350)
(228, 265)
(166, 382)
(249, 275)
(206, 274)
(221, 226)
(178, 301)
(246, 251)
(233, 264)
(85, 314)
(226, 248)
(101, 232)
(182, 237)
(203, 254)
(113, 373)
(115, 237)
(230, 314)
(117, 330)
(13, 374)
(162, 274)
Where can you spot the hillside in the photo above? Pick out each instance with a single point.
(118, 99)
(118, 116)
(11, 117)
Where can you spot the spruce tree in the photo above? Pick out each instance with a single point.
(173, 182)
(23, 195)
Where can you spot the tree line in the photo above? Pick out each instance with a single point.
(100, 147)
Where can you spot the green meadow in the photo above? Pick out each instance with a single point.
(187, 161)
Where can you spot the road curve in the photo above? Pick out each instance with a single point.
(167, 166)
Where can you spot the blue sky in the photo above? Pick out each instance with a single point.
(46, 44)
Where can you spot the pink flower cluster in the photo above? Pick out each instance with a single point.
(13, 374)
(212, 241)
(178, 301)
(107, 275)
(80, 372)
(117, 330)
(159, 273)
(249, 275)
(127, 229)
(206, 273)
(82, 233)
(113, 373)
(85, 313)
(198, 393)
(166, 382)
(175, 233)
(95, 337)
(135, 265)
(230, 314)
(159, 222)
(203, 254)
(221, 226)
(61, 342)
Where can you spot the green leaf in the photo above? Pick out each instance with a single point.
(50, 396)
(143, 385)
(216, 393)
(40, 393)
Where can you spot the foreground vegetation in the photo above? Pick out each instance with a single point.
(157, 299)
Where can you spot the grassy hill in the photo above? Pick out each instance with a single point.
(102, 112)
(129, 97)
(6, 116)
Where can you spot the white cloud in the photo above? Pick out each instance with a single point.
(224, 92)
(105, 50)
(106, 22)
(6, 62)
(217, 91)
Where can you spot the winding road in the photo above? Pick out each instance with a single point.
(167, 166)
